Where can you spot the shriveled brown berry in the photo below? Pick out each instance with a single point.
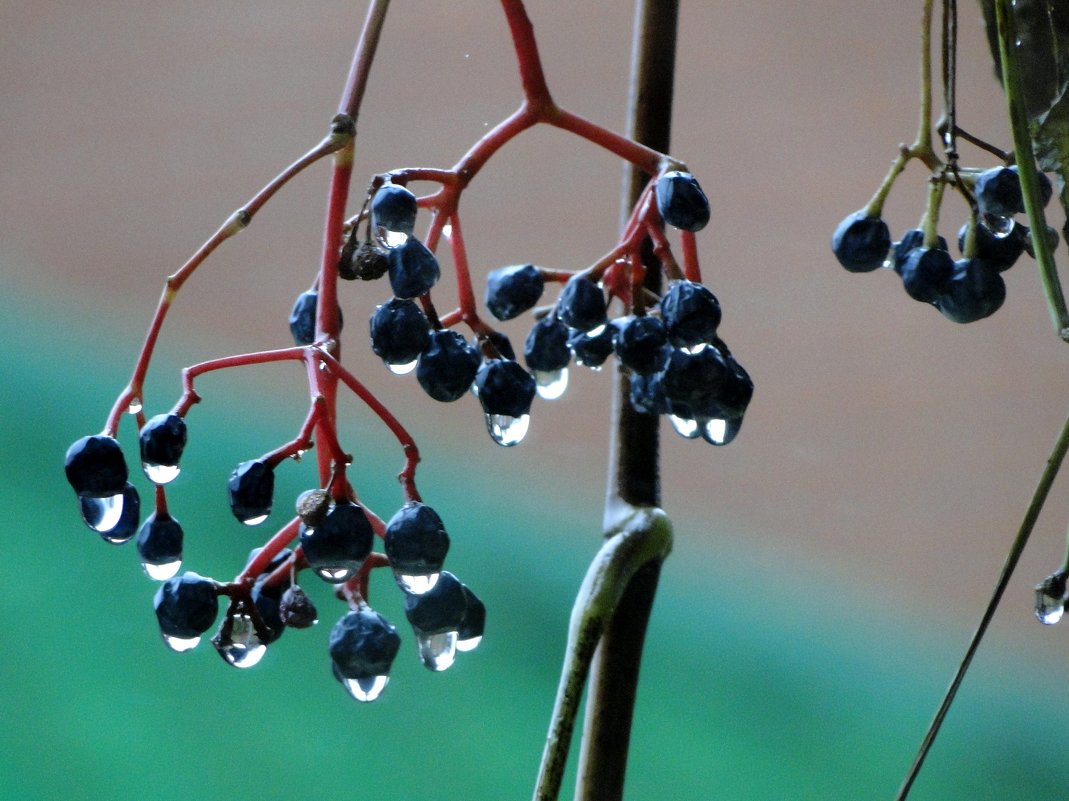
(312, 506)
(296, 609)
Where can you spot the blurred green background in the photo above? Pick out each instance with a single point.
(829, 565)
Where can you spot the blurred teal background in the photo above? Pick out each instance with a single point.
(829, 565)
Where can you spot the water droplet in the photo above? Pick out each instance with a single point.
(552, 383)
(447, 231)
(507, 431)
(390, 239)
(416, 585)
(684, 426)
(1000, 227)
(402, 369)
(1050, 599)
(595, 332)
(255, 521)
(181, 644)
(438, 651)
(161, 473)
(469, 644)
(694, 350)
(161, 572)
(715, 431)
(135, 406)
(366, 688)
(238, 643)
(102, 514)
(335, 575)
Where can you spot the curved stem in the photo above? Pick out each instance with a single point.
(1039, 497)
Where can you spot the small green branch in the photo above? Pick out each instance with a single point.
(1039, 497)
(1026, 165)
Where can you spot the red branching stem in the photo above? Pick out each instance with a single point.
(236, 223)
(303, 440)
(691, 268)
(533, 79)
(272, 548)
(663, 251)
(465, 292)
(189, 394)
(358, 584)
(161, 501)
(646, 159)
(356, 83)
(408, 473)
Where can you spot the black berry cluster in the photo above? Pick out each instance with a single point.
(965, 289)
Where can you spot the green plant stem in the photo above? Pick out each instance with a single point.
(1039, 497)
(1026, 165)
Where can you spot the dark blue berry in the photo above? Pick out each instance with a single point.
(1052, 241)
(861, 243)
(1001, 252)
(926, 272)
(591, 350)
(510, 291)
(504, 388)
(416, 542)
(640, 342)
(681, 201)
(440, 609)
(363, 644)
(399, 331)
(96, 467)
(911, 239)
(447, 368)
(546, 348)
(267, 599)
(998, 192)
(413, 269)
(98, 514)
(502, 345)
(186, 606)
(303, 318)
(394, 208)
(337, 547)
(691, 314)
(647, 393)
(159, 540)
(694, 383)
(251, 487)
(975, 290)
(474, 622)
(296, 609)
(581, 304)
(162, 440)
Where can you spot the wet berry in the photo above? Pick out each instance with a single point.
(975, 290)
(363, 644)
(447, 368)
(473, 623)
(590, 349)
(510, 291)
(413, 269)
(296, 609)
(251, 487)
(681, 201)
(96, 467)
(416, 541)
(159, 540)
(639, 344)
(115, 517)
(911, 239)
(861, 243)
(440, 609)
(925, 273)
(162, 440)
(546, 347)
(267, 599)
(581, 304)
(504, 388)
(399, 331)
(998, 192)
(303, 318)
(691, 314)
(694, 383)
(1000, 252)
(186, 606)
(394, 208)
(338, 546)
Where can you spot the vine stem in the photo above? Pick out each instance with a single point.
(1039, 497)
(1026, 165)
